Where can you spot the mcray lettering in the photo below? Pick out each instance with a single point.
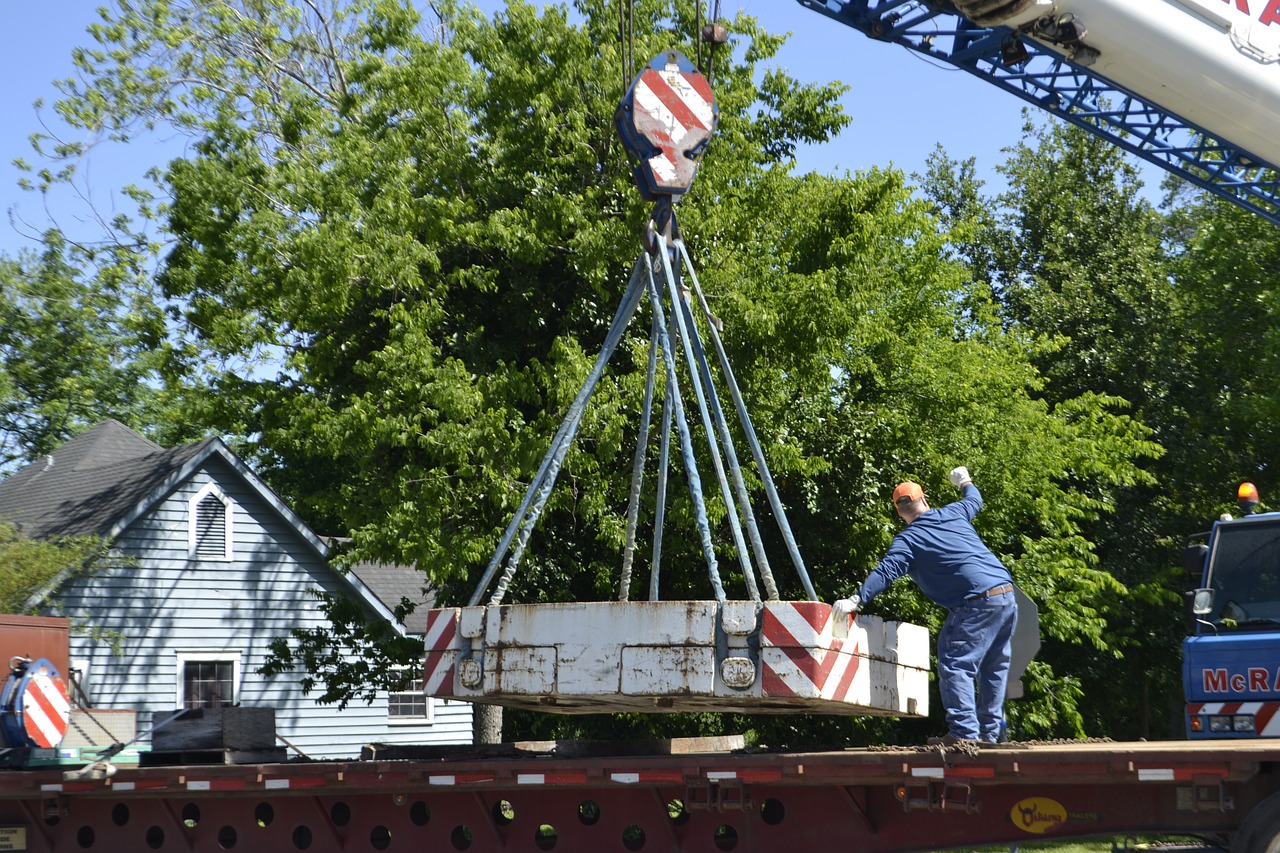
(1270, 9)
(1255, 679)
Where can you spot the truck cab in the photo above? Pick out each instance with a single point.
(1231, 662)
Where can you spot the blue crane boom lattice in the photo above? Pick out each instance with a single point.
(1069, 91)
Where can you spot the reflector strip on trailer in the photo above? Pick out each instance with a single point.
(648, 777)
(550, 778)
(147, 785)
(1187, 774)
(304, 782)
(1181, 774)
(971, 772)
(216, 785)
(462, 779)
(70, 788)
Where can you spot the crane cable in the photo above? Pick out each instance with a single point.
(626, 39)
(713, 35)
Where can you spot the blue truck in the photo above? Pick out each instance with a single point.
(1231, 661)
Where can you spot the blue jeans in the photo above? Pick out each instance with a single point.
(973, 649)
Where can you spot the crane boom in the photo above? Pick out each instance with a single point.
(1211, 66)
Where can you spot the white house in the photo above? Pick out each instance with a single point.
(215, 566)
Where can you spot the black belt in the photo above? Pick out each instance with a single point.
(995, 590)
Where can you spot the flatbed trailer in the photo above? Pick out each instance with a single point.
(871, 799)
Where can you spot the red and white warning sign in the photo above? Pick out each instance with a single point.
(677, 112)
(666, 119)
(47, 709)
(441, 643)
(810, 660)
(35, 707)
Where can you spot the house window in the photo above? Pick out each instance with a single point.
(410, 707)
(209, 524)
(208, 679)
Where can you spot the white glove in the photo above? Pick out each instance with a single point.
(846, 607)
(960, 476)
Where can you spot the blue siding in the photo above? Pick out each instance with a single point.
(131, 622)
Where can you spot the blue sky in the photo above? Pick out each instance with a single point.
(901, 104)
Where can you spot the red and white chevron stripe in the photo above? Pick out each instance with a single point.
(589, 656)
(813, 663)
(46, 710)
(676, 112)
(1266, 722)
(441, 652)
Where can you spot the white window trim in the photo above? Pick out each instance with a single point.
(228, 520)
(428, 719)
(204, 655)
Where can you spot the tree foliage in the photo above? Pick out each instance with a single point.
(393, 256)
(73, 351)
(1226, 274)
(329, 670)
(29, 566)
(1077, 258)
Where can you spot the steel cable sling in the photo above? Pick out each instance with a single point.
(666, 171)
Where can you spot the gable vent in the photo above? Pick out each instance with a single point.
(209, 520)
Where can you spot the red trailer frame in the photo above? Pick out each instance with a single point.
(901, 799)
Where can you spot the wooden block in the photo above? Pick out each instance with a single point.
(276, 755)
(670, 746)
(560, 748)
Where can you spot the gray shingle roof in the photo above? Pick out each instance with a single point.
(390, 583)
(88, 484)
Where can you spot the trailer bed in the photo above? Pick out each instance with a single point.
(533, 797)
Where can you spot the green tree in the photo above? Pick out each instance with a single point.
(1226, 273)
(879, 359)
(29, 566)
(73, 351)
(428, 235)
(426, 238)
(1075, 259)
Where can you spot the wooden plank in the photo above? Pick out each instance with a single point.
(175, 758)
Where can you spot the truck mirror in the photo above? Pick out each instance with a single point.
(1202, 602)
(1193, 559)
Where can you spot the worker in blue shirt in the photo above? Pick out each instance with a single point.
(942, 553)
